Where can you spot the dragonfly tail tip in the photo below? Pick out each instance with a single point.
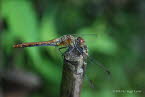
(15, 46)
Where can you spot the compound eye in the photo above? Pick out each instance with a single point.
(81, 40)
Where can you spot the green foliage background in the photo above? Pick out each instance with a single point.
(119, 44)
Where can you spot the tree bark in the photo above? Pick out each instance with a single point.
(73, 73)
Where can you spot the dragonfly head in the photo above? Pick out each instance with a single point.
(80, 41)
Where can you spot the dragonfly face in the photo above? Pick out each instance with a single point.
(80, 41)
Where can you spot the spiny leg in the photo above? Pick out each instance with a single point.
(61, 49)
(60, 54)
(90, 82)
(72, 48)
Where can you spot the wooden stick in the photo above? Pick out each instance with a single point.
(73, 73)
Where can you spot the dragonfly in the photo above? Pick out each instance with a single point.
(65, 41)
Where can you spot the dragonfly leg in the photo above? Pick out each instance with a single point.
(91, 84)
(75, 46)
(79, 49)
(61, 49)
(71, 50)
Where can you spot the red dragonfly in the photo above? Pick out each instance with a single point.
(67, 41)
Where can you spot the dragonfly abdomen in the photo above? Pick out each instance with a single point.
(32, 44)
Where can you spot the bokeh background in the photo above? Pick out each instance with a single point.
(119, 42)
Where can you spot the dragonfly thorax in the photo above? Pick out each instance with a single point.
(67, 40)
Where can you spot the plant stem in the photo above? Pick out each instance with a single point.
(73, 74)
